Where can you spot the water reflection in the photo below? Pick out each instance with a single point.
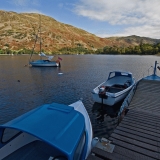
(106, 117)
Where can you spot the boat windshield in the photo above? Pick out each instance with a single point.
(8, 134)
(79, 149)
(28, 145)
(115, 74)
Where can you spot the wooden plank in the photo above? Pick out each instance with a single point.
(144, 135)
(143, 116)
(136, 119)
(147, 109)
(134, 148)
(136, 137)
(138, 99)
(108, 156)
(92, 157)
(140, 125)
(140, 130)
(146, 106)
(145, 127)
(135, 142)
(131, 154)
(135, 113)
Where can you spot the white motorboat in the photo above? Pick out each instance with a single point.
(115, 89)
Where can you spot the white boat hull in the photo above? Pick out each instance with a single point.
(80, 108)
(110, 100)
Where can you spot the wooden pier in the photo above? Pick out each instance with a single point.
(137, 137)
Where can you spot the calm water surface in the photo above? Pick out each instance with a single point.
(24, 88)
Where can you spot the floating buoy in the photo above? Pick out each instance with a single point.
(18, 80)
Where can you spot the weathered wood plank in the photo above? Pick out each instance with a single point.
(134, 148)
(141, 117)
(92, 157)
(140, 120)
(108, 156)
(128, 120)
(135, 113)
(131, 154)
(140, 130)
(136, 137)
(139, 134)
(135, 142)
(140, 125)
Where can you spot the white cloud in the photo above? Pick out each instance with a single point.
(32, 11)
(143, 31)
(138, 16)
(121, 11)
(25, 3)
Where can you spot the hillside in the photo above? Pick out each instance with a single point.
(18, 31)
(132, 40)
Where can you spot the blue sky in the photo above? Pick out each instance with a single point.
(104, 18)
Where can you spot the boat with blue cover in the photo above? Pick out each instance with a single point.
(51, 131)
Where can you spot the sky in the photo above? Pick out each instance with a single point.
(104, 18)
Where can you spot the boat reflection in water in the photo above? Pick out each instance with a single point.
(105, 119)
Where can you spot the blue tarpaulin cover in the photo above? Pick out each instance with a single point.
(57, 124)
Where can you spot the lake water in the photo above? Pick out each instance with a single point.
(24, 88)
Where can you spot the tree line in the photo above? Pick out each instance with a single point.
(142, 49)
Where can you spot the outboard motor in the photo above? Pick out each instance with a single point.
(102, 92)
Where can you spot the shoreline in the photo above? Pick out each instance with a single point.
(82, 54)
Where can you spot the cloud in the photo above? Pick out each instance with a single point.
(32, 11)
(120, 12)
(136, 16)
(143, 31)
(25, 3)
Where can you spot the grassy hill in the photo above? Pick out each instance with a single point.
(133, 40)
(19, 30)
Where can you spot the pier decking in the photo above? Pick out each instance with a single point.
(137, 137)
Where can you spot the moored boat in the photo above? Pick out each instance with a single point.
(115, 89)
(47, 62)
(43, 63)
(52, 131)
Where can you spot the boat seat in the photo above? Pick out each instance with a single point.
(114, 89)
(119, 86)
(36, 150)
(59, 158)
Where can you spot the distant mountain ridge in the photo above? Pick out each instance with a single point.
(134, 40)
(18, 31)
